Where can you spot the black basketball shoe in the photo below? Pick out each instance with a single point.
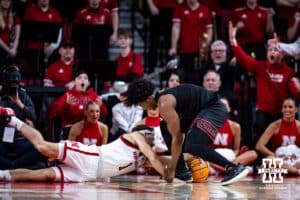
(184, 175)
(235, 174)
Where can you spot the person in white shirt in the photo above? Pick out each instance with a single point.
(124, 118)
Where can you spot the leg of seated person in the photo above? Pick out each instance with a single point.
(246, 158)
(292, 170)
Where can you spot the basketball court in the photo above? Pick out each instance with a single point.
(152, 188)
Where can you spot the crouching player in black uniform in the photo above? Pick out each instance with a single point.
(193, 111)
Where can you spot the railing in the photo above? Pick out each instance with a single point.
(139, 6)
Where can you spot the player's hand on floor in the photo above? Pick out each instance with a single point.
(169, 175)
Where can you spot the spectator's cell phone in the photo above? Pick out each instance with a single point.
(11, 91)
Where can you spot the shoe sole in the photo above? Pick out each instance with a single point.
(241, 175)
(189, 181)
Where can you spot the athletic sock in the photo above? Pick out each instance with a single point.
(15, 122)
(5, 175)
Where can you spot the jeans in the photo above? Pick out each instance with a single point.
(20, 154)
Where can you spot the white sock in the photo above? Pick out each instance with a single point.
(5, 175)
(15, 122)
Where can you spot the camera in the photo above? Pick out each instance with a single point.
(10, 91)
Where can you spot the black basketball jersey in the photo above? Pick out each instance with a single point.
(190, 99)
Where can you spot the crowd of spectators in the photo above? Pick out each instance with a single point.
(256, 82)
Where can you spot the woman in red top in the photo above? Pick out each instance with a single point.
(227, 143)
(90, 130)
(70, 106)
(9, 30)
(283, 133)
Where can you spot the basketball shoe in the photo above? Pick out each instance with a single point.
(235, 174)
(184, 175)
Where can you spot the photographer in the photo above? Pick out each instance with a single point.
(15, 150)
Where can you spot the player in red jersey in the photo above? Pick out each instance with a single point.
(90, 130)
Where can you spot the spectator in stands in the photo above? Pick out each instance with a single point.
(124, 117)
(20, 6)
(90, 130)
(228, 141)
(70, 106)
(291, 49)
(113, 7)
(161, 12)
(220, 63)
(60, 73)
(93, 14)
(285, 12)
(275, 81)
(294, 27)
(37, 51)
(174, 78)
(192, 26)
(212, 82)
(130, 65)
(9, 31)
(253, 23)
(282, 138)
(15, 150)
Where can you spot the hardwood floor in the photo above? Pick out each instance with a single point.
(151, 187)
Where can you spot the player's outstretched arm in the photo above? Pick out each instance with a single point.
(49, 149)
(149, 153)
(167, 111)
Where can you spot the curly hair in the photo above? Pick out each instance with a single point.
(138, 91)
